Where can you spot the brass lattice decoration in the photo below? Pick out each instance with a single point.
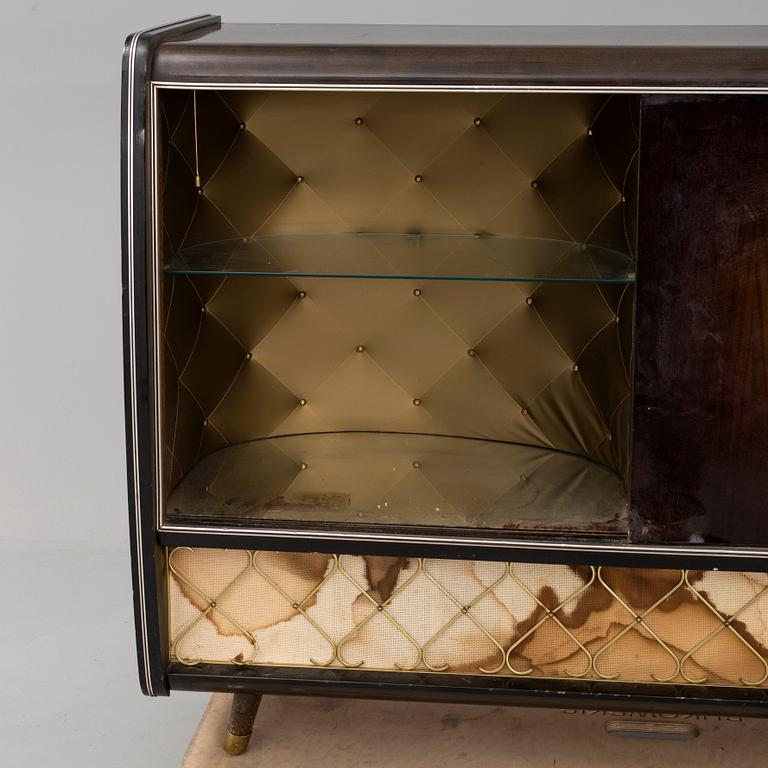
(462, 617)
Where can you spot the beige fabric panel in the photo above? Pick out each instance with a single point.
(235, 606)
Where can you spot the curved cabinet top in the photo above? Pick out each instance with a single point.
(615, 58)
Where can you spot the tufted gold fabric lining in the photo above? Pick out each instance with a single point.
(540, 364)
(560, 166)
(461, 617)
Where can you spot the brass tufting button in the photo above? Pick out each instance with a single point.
(203, 310)
(299, 179)
(358, 121)
(302, 294)
(295, 606)
(359, 348)
(205, 422)
(417, 291)
(524, 411)
(535, 184)
(623, 199)
(248, 355)
(416, 401)
(575, 367)
(242, 126)
(302, 465)
(416, 465)
(478, 122)
(302, 401)
(472, 352)
(418, 178)
(589, 132)
(529, 300)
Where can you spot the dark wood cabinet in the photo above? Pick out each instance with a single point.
(700, 453)
(447, 362)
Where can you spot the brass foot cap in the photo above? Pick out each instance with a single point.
(236, 745)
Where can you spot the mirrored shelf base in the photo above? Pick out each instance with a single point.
(379, 478)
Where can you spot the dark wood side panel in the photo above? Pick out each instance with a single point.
(147, 556)
(700, 455)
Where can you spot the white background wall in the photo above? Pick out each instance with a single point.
(68, 688)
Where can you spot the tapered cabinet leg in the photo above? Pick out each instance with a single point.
(240, 723)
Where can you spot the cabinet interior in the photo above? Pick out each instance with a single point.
(400, 308)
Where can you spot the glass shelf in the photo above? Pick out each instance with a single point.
(422, 257)
(402, 479)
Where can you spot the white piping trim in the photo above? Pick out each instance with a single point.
(132, 347)
(458, 88)
(655, 549)
(155, 293)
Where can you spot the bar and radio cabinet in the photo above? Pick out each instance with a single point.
(446, 363)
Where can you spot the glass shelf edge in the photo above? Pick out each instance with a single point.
(451, 278)
(488, 258)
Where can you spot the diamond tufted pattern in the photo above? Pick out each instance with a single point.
(541, 364)
(545, 165)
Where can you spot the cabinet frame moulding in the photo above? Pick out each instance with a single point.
(310, 538)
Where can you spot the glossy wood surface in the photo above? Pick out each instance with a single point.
(469, 689)
(700, 458)
(538, 56)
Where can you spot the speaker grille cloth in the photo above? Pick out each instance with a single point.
(467, 617)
